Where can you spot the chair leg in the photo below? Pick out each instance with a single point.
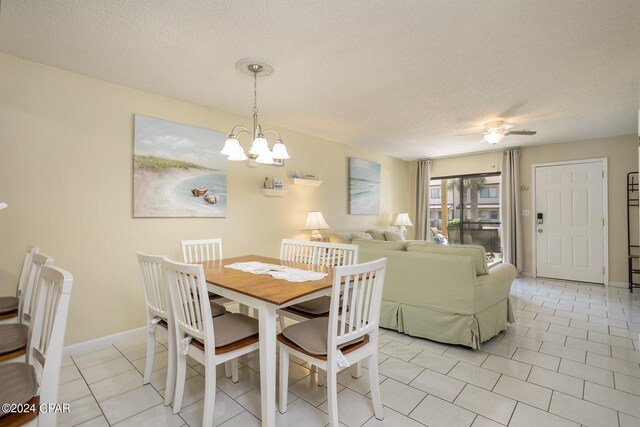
(375, 386)
(151, 351)
(321, 375)
(356, 371)
(234, 370)
(209, 394)
(284, 380)
(227, 369)
(181, 367)
(332, 395)
(171, 370)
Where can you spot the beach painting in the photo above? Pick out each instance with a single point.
(178, 170)
(364, 187)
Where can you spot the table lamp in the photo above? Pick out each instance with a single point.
(403, 220)
(315, 222)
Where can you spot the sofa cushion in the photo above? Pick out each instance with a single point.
(474, 251)
(341, 237)
(382, 245)
(393, 236)
(361, 235)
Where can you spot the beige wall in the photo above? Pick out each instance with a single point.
(66, 172)
(622, 155)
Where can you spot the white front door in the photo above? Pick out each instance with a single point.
(569, 221)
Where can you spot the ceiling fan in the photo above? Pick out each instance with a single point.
(496, 131)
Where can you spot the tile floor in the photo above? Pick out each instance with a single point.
(572, 358)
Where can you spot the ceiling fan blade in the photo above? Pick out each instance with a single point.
(520, 132)
(506, 126)
(468, 134)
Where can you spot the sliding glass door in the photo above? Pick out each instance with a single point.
(465, 209)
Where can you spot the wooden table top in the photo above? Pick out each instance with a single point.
(264, 286)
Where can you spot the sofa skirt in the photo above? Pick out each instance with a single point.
(446, 327)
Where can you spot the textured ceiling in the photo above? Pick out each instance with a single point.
(400, 77)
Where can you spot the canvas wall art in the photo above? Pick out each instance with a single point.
(364, 187)
(178, 170)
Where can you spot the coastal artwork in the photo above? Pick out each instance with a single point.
(364, 187)
(178, 170)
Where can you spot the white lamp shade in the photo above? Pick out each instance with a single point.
(230, 145)
(237, 154)
(265, 158)
(493, 137)
(280, 151)
(315, 221)
(259, 146)
(403, 219)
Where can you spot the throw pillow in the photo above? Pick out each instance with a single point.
(393, 236)
(340, 237)
(377, 233)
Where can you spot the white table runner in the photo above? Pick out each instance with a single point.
(277, 271)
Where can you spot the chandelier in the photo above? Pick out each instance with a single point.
(260, 146)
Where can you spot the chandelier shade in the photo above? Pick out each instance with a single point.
(259, 146)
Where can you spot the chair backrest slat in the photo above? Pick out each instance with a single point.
(30, 296)
(26, 269)
(153, 285)
(201, 250)
(318, 253)
(360, 286)
(189, 299)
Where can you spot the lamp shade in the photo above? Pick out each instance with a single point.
(259, 146)
(230, 146)
(403, 219)
(315, 221)
(280, 150)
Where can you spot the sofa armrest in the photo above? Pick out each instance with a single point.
(442, 282)
(495, 286)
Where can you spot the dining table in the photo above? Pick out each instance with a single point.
(266, 294)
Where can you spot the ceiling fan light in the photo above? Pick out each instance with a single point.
(280, 151)
(259, 146)
(494, 137)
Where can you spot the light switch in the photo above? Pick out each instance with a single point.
(526, 212)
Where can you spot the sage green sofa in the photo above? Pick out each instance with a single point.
(443, 293)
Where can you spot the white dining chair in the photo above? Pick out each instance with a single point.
(210, 341)
(9, 305)
(36, 382)
(334, 343)
(323, 254)
(200, 250)
(159, 317)
(14, 337)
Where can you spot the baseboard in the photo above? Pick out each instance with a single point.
(83, 347)
(619, 284)
(526, 274)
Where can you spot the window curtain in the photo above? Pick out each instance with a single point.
(423, 231)
(511, 228)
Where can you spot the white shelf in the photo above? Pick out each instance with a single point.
(273, 193)
(309, 182)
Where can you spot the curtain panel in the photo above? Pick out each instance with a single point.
(511, 228)
(423, 200)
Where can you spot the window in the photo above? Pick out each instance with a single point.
(471, 209)
(489, 193)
